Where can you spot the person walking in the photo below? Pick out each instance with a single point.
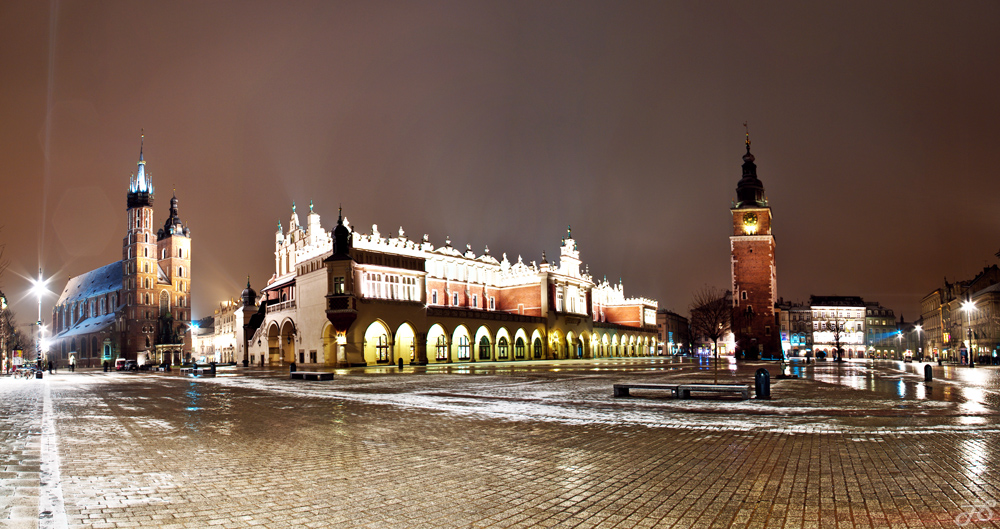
(50, 367)
(72, 364)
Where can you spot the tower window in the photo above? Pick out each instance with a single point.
(743, 295)
(454, 299)
(434, 296)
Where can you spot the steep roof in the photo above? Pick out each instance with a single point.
(103, 280)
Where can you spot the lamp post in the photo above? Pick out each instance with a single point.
(920, 344)
(899, 344)
(38, 286)
(968, 307)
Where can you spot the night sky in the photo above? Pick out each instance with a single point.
(876, 128)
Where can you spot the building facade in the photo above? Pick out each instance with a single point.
(674, 333)
(754, 275)
(884, 338)
(962, 316)
(838, 325)
(346, 299)
(223, 337)
(125, 308)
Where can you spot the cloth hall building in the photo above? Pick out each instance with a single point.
(136, 307)
(347, 299)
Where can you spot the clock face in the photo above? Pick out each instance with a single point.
(750, 219)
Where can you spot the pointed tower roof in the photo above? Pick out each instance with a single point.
(173, 225)
(750, 190)
(140, 189)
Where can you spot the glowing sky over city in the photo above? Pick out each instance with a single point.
(875, 127)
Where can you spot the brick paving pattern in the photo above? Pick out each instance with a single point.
(541, 446)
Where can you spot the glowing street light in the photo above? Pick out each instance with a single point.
(39, 289)
(968, 307)
(920, 344)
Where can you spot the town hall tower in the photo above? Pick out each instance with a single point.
(753, 269)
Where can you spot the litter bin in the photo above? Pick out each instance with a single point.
(762, 383)
(38, 374)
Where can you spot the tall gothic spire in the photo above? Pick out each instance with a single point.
(140, 189)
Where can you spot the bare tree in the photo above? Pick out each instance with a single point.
(711, 317)
(836, 327)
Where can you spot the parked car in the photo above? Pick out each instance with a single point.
(122, 364)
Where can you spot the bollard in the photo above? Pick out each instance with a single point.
(762, 384)
(213, 369)
(291, 367)
(400, 364)
(928, 371)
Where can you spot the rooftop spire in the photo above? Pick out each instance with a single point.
(749, 190)
(140, 188)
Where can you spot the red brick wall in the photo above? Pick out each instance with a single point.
(752, 273)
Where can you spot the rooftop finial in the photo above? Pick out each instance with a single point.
(745, 126)
(310, 206)
(142, 139)
(293, 207)
(340, 213)
(569, 231)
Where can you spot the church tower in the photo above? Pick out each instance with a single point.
(753, 269)
(139, 264)
(173, 246)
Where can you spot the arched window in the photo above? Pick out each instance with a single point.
(475, 301)
(463, 347)
(180, 253)
(382, 348)
(493, 303)
(163, 253)
(454, 298)
(441, 348)
(434, 296)
(164, 302)
(502, 347)
(537, 348)
(180, 271)
(484, 348)
(519, 349)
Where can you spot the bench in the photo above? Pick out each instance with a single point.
(197, 372)
(621, 390)
(684, 390)
(312, 375)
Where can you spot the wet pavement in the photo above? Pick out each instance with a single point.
(858, 444)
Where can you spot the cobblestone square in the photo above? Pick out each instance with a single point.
(501, 445)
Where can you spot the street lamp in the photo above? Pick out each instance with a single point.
(899, 344)
(920, 344)
(38, 287)
(968, 307)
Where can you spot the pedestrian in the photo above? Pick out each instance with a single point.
(50, 367)
(105, 366)
(72, 364)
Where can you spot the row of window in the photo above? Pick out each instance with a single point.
(464, 349)
(491, 301)
(385, 286)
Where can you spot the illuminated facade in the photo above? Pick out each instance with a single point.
(947, 319)
(754, 275)
(346, 298)
(838, 320)
(883, 337)
(125, 308)
(223, 337)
